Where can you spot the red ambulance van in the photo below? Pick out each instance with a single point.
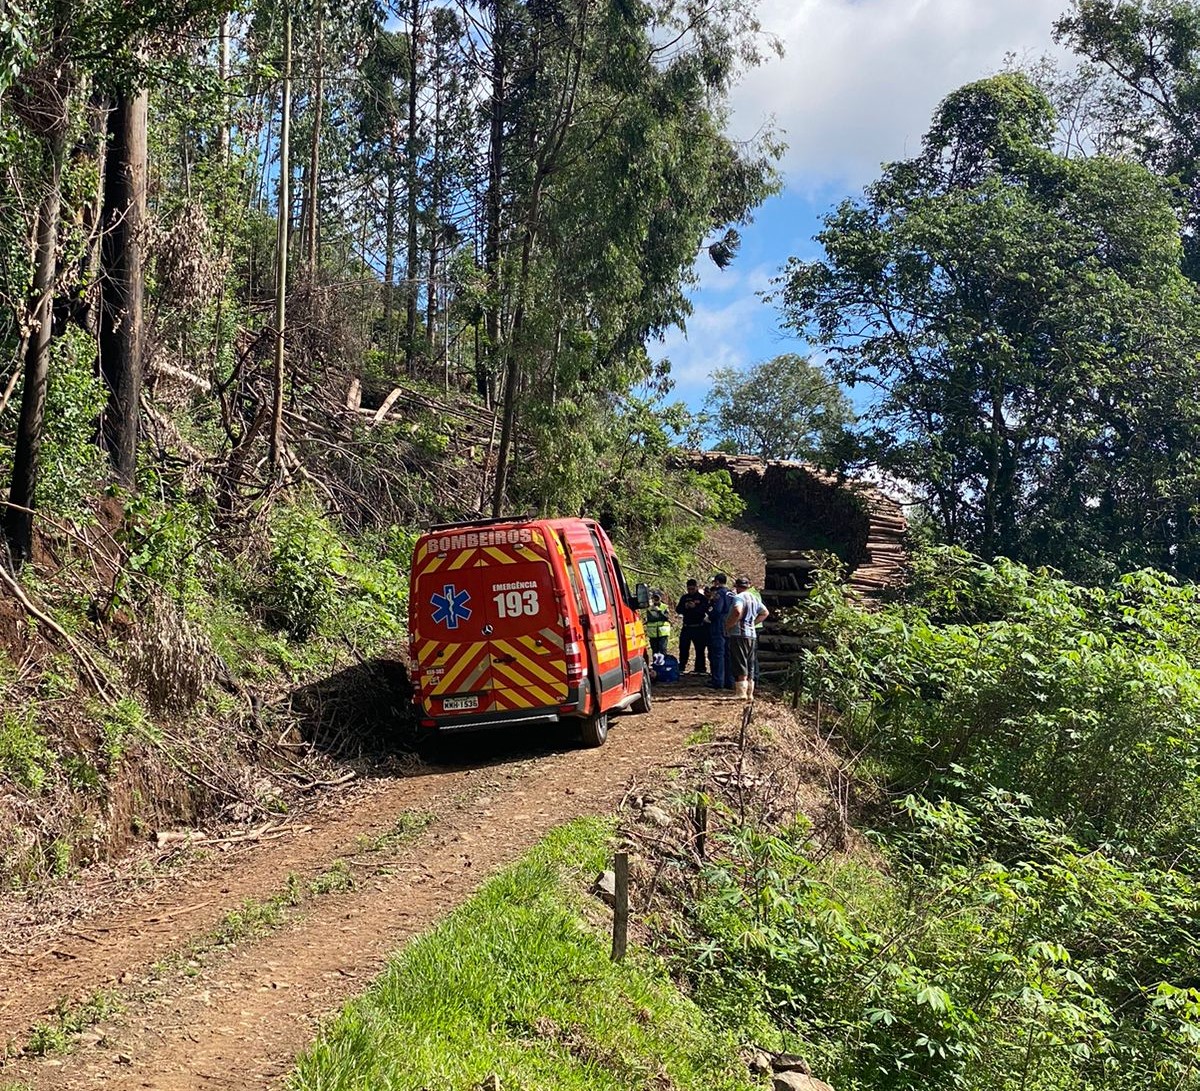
(525, 621)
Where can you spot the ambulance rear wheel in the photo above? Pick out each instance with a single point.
(645, 701)
(595, 730)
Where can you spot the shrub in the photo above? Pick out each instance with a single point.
(1084, 699)
(993, 952)
(305, 559)
(25, 756)
(71, 464)
(166, 544)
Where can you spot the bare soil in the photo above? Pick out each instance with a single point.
(235, 1016)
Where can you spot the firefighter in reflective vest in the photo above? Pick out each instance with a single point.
(658, 625)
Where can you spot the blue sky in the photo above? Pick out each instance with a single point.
(856, 87)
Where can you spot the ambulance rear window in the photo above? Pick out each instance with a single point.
(593, 586)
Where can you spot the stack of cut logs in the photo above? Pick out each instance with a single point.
(789, 576)
(885, 564)
(866, 528)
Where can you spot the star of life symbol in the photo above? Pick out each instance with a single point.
(450, 607)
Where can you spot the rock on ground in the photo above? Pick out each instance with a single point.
(798, 1081)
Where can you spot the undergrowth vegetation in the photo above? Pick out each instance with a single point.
(1026, 919)
(231, 626)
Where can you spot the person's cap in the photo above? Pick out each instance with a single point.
(719, 577)
(742, 581)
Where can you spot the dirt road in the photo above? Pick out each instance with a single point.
(194, 1014)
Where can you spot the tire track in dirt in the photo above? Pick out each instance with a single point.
(241, 1020)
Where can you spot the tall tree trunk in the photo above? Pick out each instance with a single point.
(543, 160)
(121, 301)
(389, 267)
(512, 378)
(281, 242)
(22, 493)
(223, 79)
(435, 220)
(87, 308)
(412, 270)
(486, 368)
(314, 152)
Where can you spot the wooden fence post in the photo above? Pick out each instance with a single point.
(620, 906)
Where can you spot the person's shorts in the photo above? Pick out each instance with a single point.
(741, 655)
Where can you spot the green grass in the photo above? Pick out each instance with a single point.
(57, 1034)
(518, 983)
(25, 755)
(408, 826)
(256, 917)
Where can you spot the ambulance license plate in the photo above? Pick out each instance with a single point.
(459, 704)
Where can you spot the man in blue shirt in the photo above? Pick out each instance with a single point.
(745, 612)
(722, 601)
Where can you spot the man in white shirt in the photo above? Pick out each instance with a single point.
(745, 612)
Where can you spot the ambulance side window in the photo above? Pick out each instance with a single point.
(593, 586)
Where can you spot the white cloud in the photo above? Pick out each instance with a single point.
(729, 320)
(857, 87)
(861, 78)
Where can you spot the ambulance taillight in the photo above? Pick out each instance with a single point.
(576, 660)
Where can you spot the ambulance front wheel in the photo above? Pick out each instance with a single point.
(595, 730)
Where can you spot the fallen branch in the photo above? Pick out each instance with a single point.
(388, 402)
(90, 669)
(8, 390)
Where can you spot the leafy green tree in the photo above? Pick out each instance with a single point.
(1033, 339)
(1146, 55)
(784, 408)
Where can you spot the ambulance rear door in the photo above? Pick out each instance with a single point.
(528, 637)
(451, 627)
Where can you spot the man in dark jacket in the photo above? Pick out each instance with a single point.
(693, 632)
(718, 611)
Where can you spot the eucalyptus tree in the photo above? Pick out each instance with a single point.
(41, 98)
(608, 169)
(104, 58)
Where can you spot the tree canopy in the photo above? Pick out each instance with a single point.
(1032, 337)
(783, 408)
(502, 202)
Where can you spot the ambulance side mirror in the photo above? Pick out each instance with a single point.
(641, 596)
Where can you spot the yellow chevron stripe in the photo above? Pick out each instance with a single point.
(467, 657)
(471, 683)
(548, 655)
(433, 563)
(552, 636)
(526, 662)
(461, 560)
(523, 686)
